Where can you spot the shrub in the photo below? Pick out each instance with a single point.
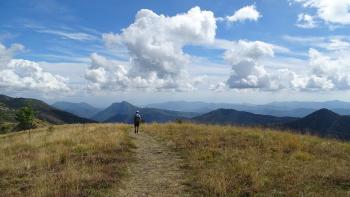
(25, 117)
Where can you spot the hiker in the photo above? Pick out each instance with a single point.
(137, 121)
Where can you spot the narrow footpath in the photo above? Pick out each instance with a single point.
(156, 171)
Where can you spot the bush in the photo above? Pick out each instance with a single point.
(179, 121)
(5, 128)
(25, 118)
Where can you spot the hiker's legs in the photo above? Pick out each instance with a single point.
(137, 129)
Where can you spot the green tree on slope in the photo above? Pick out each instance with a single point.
(25, 117)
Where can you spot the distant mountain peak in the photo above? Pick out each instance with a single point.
(122, 103)
(231, 116)
(324, 112)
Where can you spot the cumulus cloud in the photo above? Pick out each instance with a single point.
(246, 13)
(106, 74)
(306, 21)
(18, 74)
(219, 87)
(21, 74)
(323, 72)
(155, 44)
(328, 72)
(247, 71)
(330, 11)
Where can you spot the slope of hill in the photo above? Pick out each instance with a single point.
(65, 160)
(230, 116)
(243, 161)
(44, 111)
(324, 123)
(124, 112)
(80, 109)
(95, 160)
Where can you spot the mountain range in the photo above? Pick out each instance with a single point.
(124, 112)
(45, 112)
(231, 116)
(82, 109)
(280, 109)
(323, 122)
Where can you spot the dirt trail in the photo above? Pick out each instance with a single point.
(155, 172)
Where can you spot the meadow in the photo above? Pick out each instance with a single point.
(240, 161)
(93, 160)
(67, 160)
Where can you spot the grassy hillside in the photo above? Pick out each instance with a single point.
(74, 160)
(231, 161)
(91, 160)
(9, 106)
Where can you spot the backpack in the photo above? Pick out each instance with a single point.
(137, 118)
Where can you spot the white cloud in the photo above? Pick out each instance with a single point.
(6, 54)
(21, 74)
(246, 13)
(306, 21)
(330, 11)
(328, 72)
(323, 72)
(219, 87)
(80, 36)
(155, 45)
(248, 72)
(330, 43)
(106, 74)
(65, 32)
(18, 74)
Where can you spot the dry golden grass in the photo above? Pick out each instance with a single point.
(67, 160)
(236, 161)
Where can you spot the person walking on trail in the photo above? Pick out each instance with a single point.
(137, 121)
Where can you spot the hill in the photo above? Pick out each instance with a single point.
(122, 108)
(124, 112)
(80, 109)
(64, 160)
(204, 160)
(324, 123)
(243, 161)
(44, 111)
(230, 116)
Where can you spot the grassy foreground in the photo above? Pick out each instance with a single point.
(68, 160)
(235, 161)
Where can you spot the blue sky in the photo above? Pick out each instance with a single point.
(152, 51)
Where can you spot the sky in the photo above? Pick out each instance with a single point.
(236, 51)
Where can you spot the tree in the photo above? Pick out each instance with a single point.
(25, 117)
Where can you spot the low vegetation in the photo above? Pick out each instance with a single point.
(235, 161)
(25, 118)
(67, 160)
(91, 160)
